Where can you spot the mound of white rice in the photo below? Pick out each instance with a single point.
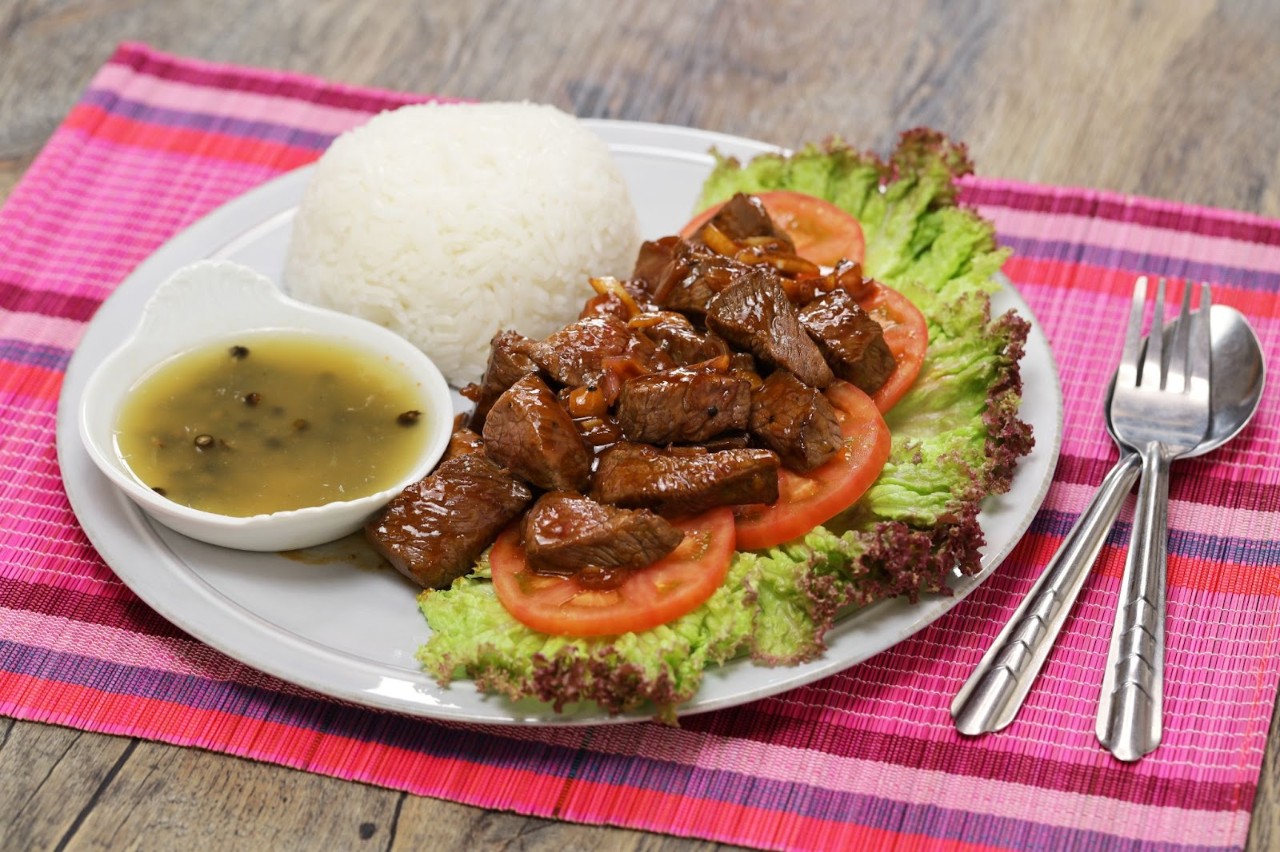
(446, 223)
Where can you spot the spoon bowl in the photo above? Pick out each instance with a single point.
(1239, 375)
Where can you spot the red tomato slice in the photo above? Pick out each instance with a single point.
(650, 596)
(822, 232)
(806, 500)
(907, 334)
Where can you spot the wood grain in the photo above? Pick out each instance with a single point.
(1177, 100)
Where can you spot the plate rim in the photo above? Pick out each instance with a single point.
(407, 696)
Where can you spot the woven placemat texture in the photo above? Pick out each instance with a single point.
(868, 756)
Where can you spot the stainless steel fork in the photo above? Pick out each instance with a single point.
(1160, 408)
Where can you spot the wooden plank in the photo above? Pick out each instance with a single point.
(52, 776)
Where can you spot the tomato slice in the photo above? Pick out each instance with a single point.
(648, 597)
(806, 500)
(907, 334)
(822, 232)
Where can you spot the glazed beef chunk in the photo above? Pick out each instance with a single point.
(434, 530)
(509, 361)
(850, 340)
(683, 405)
(565, 532)
(743, 366)
(684, 481)
(599, 431)
(673, 334)
(463, 441)
(694, 276)
(756, 315)
(743, 217)
(652, 260)
(621, 300)
(795, 421)
(529, 433)
(576, 354)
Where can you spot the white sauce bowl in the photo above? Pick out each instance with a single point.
(210, 301)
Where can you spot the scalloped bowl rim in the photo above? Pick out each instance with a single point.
(170, 325)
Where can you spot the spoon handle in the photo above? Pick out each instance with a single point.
(994, 693)
(1131, 706)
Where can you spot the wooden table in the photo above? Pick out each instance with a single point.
(1177, 100)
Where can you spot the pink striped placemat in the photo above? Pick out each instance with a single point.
(868, 756)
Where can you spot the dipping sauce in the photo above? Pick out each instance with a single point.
(272, 421)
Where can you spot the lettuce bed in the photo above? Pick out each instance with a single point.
(956, 439)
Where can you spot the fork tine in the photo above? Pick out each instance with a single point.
(1177, 376)
(1152, 375)
(1127, 371)
(1199, 360)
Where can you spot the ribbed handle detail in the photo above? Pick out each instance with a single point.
(1131, 706)
(998, 686)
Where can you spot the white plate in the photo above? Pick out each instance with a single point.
(350, 631)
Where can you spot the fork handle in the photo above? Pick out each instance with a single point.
(994, 693)
(1131, 706)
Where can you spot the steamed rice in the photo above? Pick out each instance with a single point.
(446, 223)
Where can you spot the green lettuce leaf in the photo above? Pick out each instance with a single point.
(764, 608)
(956, 439)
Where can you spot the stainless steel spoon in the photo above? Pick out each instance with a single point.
(994, 693)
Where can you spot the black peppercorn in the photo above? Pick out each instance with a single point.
(252, 399)
(410, 417)
(239, 352)
(204, 442)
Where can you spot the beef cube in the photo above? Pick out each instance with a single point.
(675, 335)
(795, 421)
(509, 360)
(851, 341)
(652, 260)
(743, 365)
(755, 315)
(683, 405)
(565, 532)
(530, 434)
(693, 277)
(621, 300)
(463, 441)
(576, 354)
(434, 530)
(606, 305)
(680, 481)
(599, 431)
(743, 217)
